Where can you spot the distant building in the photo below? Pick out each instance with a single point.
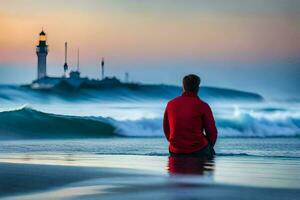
(42, 52)
(74, 81)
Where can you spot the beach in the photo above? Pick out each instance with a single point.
(36, 181)
(40, 174)
(109, 144)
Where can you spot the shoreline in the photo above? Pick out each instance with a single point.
(18, 178)
(127, 177)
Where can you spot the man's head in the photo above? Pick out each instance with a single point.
(191, 83)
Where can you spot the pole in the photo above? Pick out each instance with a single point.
(65, 65)
(102, 68)
(66, 46)
(78, 59)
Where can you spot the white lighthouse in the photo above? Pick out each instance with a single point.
(42, 51)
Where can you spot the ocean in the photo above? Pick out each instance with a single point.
(26, 113)
(258, 144)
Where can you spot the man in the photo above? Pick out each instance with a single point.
(185, 120)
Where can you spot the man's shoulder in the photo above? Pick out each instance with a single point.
(205, 106)
(180, 98)
(171, 102)
(203, 102)
(180, 101)
(175, 99)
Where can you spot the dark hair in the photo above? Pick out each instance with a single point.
(191, 83)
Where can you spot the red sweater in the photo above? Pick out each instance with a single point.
(185, 119)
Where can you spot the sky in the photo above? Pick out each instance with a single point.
(251, 45)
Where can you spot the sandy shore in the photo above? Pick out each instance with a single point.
(24, 178)
(36, 181)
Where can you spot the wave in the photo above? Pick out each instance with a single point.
(246, 126)
(25, 122)
(11, 93)
(28, 123)
(249, 125)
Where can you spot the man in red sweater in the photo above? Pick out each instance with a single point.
(189, 124)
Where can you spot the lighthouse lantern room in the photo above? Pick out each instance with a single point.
(42, 51)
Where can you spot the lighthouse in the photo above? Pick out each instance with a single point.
(41, 52)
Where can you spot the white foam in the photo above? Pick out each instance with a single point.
(246, 126)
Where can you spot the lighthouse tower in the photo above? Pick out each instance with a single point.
(41, 52)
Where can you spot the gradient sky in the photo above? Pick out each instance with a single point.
(251, 45)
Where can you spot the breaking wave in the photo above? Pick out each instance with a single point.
(28, 123)
(25, 123)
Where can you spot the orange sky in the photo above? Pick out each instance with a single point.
(149, 33)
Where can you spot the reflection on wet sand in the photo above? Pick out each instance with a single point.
(190, 165)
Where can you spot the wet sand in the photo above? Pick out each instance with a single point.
(109, 181)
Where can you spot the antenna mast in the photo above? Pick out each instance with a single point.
(102, 68)
(66, 51)
(78, 59)
(65, 65)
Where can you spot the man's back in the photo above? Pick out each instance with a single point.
(185, 119)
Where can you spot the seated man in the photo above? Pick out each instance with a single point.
(185, 120)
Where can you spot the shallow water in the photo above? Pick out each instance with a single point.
(250, 147)
(142, 177)
(268, 162)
